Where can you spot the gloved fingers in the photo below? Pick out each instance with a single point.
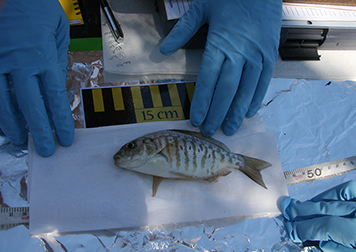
(184, 29)
(33, 108)
(294, 210)
(11, 121)
(328, 228)
(330, 246)
(224, 94)
(55, 93)
(345, 191)
(62, 38)
(208, 76)
(261, 88)
(242, 99)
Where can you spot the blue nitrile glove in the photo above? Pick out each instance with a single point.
(329, 218)
(33, 57)
(238, 61)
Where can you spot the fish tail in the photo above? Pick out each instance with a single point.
(252, 169)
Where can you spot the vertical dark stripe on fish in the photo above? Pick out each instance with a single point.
(222, 158)
(203, 160)
(237, 160)
(214, 158)
(230, 159)
(168, 148)
(195, 166)
(186, 156)
(176, 142)
(159, 141)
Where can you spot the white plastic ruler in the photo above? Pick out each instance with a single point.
(13, 216)
(291, 11)
(320, 171)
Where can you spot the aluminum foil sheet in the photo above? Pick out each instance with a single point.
(85, 70)
(259, 234)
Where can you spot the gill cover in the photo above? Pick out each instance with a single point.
(136, 153)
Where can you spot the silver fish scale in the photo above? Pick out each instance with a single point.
(192, 156)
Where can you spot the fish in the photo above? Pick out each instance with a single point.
(183, 154)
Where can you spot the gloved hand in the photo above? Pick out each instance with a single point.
(238, 61)
(33, 62)
(329, 218)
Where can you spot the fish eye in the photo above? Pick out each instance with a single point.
(131, 146)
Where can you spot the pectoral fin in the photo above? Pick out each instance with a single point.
(156, 182)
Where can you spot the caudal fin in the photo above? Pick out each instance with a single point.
(252, 169)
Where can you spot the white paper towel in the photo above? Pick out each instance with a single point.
(79, 188)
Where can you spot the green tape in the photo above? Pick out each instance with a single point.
(86, 44)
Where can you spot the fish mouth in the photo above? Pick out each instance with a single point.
(116, 158)
(117, 163)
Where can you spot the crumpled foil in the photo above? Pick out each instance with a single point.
(86, 70)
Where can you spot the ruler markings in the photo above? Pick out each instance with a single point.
(190, 90)
(173, 93)
(166, 99)
(98, 100)
(118, 99)
(137, 97)
(108, 100)
(320, 171)
(184, 99)
(156, 96)
(107, 106)
(13, 216)
(146, 97)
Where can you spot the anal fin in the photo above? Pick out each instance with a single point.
(220, 173)
(156, 182)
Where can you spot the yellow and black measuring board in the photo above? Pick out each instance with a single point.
(106, 106)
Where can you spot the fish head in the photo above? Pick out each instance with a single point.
(136, 153)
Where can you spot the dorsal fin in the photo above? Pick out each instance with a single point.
(201, 136)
